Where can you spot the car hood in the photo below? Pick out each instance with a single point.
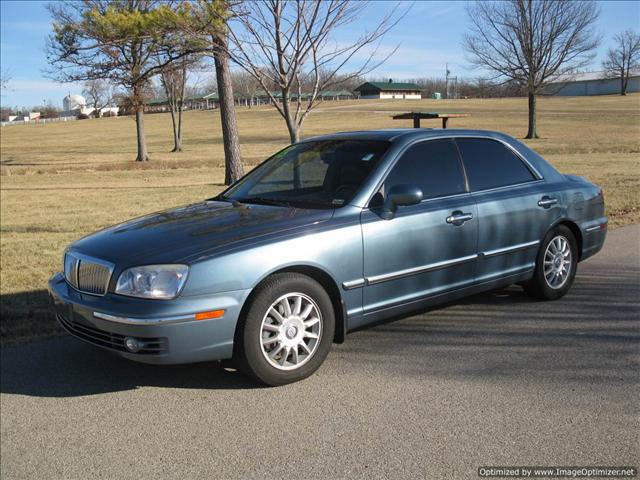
(193, 231)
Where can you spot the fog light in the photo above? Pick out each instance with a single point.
(132, 344)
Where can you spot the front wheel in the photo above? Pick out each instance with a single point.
(556, 265)
(287, 331)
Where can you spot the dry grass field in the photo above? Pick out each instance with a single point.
(62, 181)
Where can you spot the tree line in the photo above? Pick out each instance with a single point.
(288, 51)
(288, 44)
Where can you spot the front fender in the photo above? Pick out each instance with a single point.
(335, 249)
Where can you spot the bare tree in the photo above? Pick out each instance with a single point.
(173, 79)
(174, 82)
(532, 41)
(98, 94)
(623, 58)
(289, 44)
(115, 41)
(246, 85)
(5, 78)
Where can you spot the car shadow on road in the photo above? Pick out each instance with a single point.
(590, 336)
(67, 367)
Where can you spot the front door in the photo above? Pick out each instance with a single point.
(426, 248)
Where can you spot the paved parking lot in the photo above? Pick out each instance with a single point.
(494, 380)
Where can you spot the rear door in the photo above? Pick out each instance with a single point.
(513, 209)
(426, 248)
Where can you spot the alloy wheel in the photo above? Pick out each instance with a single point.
(290, 331)
(557, 262)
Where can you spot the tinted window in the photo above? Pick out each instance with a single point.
(490, 164)
(433, 166)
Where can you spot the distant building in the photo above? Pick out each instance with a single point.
(590, 83)
(389, 89)
(194, 102)
(74, 105)
(336, 95)
(24, 118)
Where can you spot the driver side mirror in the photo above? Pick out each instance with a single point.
(400, 196)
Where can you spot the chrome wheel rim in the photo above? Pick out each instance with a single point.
(557, 262)
(290, 332)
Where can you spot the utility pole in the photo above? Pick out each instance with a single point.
(447, 77)
(446, 80)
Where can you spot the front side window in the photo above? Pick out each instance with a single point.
(433, 166)
(320, 174)
(490, 164)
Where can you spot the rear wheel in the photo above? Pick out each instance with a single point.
(287, 331)
(556, 265)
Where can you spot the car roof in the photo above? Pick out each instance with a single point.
(394, 134)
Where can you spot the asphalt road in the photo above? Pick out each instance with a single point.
(494, 380)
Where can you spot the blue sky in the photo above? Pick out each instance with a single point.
(428, 37)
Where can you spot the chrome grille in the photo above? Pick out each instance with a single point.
(92, 277)
(86, 274)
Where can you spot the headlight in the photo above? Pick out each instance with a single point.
(153, 281)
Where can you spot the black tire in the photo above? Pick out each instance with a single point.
(249, 354)
(539, 286)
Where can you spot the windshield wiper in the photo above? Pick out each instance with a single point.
(265, 201)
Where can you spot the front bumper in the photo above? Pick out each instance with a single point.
(165, 329)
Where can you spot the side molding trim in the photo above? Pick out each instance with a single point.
(418, 270)
(511, 249)
(351, 284)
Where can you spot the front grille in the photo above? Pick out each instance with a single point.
(114, 341)
(87, 275)
(93, 278)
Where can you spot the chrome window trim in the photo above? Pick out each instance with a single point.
(87, 258)
(504, 187)
(144, 321)
(512, 248)
(453, 137)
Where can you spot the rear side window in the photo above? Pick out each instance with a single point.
(489, 164)
(433, 166)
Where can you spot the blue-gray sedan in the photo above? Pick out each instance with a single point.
(327, 236)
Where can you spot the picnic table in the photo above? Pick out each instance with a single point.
(417, 116)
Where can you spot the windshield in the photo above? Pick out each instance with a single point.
(320, 174)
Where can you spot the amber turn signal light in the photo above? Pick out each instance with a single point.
(209, 315)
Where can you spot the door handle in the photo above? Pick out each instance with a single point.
(458, 218)
(546, 202)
